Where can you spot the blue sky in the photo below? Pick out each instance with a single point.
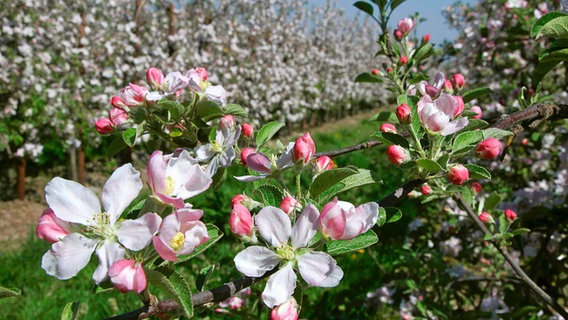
(435, 24)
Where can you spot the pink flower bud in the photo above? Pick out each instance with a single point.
(403, 60)
(50, 228)
(127, 275)
(458, 81)
(240, 220)
(458, 174)
(448, 86)
(426, 38)
(202, 72)
(104, 126)
(133, 95)
(485, 217)
(245, 152)
(286, 311)
(488, 149)
(247, 130)
(387, 127)
(431, 90)
(117, 116)
(389, 70)
(117, 102)
(340, 220)
(426, 190)
(398, 34)
(525, 141)
(403, 113)
(238, 199)
(304, 148)
(460, 107)
(510, 215)
(477, 110)
(397, 154)
(155, 77)
(405, 25)
(323, 163)
(476, 186)
(375, 72)
(289, 204)
(227, 120)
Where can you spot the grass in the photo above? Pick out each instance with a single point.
(44, 297)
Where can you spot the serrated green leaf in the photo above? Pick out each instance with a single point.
(544, 20)
(556, 55)
(327, 179)
(182, 293)
(443, 161)
(361, 178)
(175, 108)
(495, 133)
(365, 7)
(343, 246)
(366, 77)
(554, 28)
(270, 194)
(70, 311)
(477, 172)
(393, 214)
(267, 132)
(234, 109)
(203, 276)
(492, 201)
(466, 140)
(208, 110)
(129, 136)
(214, 235)
(382, 217)
(389, 138)
(429, 165)
(9, 292)
(475, 93)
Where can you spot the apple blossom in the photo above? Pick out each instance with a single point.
(117, 116)
(127, 275)
(488, 149)
(50, 228)
(458, 174)
(403, 113)
(405, 25)
(458, 81)
(245, 152)
(387, 127)
(154, 77)
(323, 163)
(286, 311)
(476, 186)
(289, 243)
(485, 217)
(398, 34)
(477, 110)
(374, 72)
(238, 199)
(304, 148)
(426, 38)
(174, 178)
(460, 107)
(426, 190)
(448, 86)
(267, 166)
(133, 95)
(102, 232)
(180, 233)
(510, 215)
(117, 102)
(221, 151)
(289, 204)
(240, 220)
(397, 154)
(247, 130)
(172, 84)
(227, 120)
(403, 60)
(340, 220)
(104, 126)
(436, 115)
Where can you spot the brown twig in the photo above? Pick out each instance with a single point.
(364, 145)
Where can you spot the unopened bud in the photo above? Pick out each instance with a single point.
(458, 174)
(387, 127)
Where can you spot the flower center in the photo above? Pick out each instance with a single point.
(216, 147)
(204, 84)
(285, 252)
(177, 241)
(170, 186)
(101, 226)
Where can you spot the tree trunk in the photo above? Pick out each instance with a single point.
(81, 164)
(22, 178)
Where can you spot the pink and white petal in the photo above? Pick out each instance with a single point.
(333, 218)
(255, 261)
(280, 286)
(163, 249)
(447, 104)
(108, 253)
(137, 234)
(273, 225)
(306, 227)
(319, 269)
(454, 126)
(187, 215)
(157, 172)
(259, 162)
(370, 212)
(72, 202)
(195, 235)
(121, 188)
(251, 178)
(169, 228)
(68, 256)
(198, 182)
(173, 201)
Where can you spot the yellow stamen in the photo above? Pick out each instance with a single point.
(170, 186)
(177, 241)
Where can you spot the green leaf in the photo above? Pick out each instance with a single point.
(234, 109)
(365, 7)
(208, 110)
(475, 124)
(177, 288)
(475, 93)
(382, 217)
(384, 116)
(116, 145)
(429, 165)
(542, 69)
(477, 172)
(267, 132)
(129, 136)
(502, 224)
(214, 235)
(361, 178)
(554, 28)
(495, 133)
(395, 4)
(543, 21)
(70, 311)
(9, 292)
(492, 201)
(176, 132)
(519, 231)
(203, 276)
(271, 195)
(328, 178)
(423, 52)
(394, 214)
(175, 108)
(522, 312)
(412, 102)
(343, 246)
(557, 55)
(392, 138)
(466, 140)
(366, 77)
